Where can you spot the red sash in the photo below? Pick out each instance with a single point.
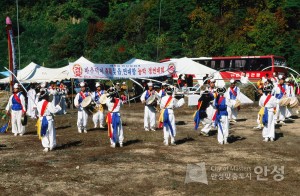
(115, 104)
(44, 106)
(82, 95)
(109, 119)
(199, 104)
(18, 100)
(233, 92)
(267, 99)
(281, 88)
(168, 101)
(219, 102)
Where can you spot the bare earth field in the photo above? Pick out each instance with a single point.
(84, 164)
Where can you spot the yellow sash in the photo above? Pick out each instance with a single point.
(161, 115)
(38, 126)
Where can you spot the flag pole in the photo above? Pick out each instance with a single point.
(11, 53)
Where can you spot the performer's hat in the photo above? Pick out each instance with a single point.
(264, 80)
(169, 90)
(82, 84)
(97, 84)
(287, 80)
(123, 82)
(221, 90)
(212, 80)
(117, 83)
(150, 84)
(43, 92)
(232, 81)
(280, 77)
(111, 89)
(268, 88)
(204, 87)
(16, 85)
(43, 85)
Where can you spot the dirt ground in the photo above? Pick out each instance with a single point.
(85, 164)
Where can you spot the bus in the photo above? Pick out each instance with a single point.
(255, 67)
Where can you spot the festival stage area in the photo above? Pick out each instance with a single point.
(85, 164)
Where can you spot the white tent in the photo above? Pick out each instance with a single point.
(36, 73)
(138, 61)
(82, 61)
(44, 74)
(188, 66)
(24, 73)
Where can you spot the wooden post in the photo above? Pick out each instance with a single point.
(72, 91)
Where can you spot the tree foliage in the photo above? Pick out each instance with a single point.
(113, 31)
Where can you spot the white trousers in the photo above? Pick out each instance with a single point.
(223, 134)
(280, 113)
(31, 108)
(49, 140)
(120, 137)
(149, 117)
(207, 127)
(232, 112)
(63, 105)
(288, 112)
(16, 125)
(269, 129)
(98, 117)
(167, 130)
(82, 119)
(208, 123)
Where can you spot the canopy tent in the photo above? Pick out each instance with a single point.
(44, 74)
(36, 73)
(83, 61)
(138, 61)
(188, 66)
(4, 73)
(24, 73)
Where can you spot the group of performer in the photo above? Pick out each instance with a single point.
(217, 108)
(277, 102)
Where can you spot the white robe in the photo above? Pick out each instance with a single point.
(149, 113)
(289, 93)
(269, 129)
(31, 107)
(232, 112)
(82, 116)
(174, 103)
(280, 110)
(98, 117)
(16, 115)
(120, 133)
(48, 140)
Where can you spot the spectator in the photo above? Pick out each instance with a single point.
(205, 79)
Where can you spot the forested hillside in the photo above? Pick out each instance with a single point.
(53, 32)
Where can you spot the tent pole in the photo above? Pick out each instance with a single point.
(72, 91)
(128, 92)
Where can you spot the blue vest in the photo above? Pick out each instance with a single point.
(163, 93)
(81, 98)
(231, 94)
(147, 95)
(16, 106)
(97, 95)
(222, 107)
